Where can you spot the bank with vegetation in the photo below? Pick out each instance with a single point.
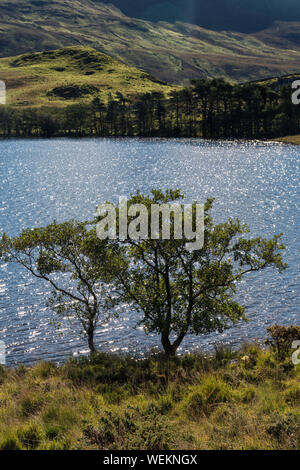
(290, 139)
(248, 399)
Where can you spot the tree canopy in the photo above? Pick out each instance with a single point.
(75, 262)
(180, 291)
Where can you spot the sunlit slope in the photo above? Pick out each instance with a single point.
(172, 52)
(71, 75)
(278, 82)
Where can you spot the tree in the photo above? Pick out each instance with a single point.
(71, 258)
(180, 292)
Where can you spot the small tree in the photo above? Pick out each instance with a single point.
(71, 258)
(180, 292)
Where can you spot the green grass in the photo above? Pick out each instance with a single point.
(71, 75)
(172, 52)
(230, 400)
(291, 139)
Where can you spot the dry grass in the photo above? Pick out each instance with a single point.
(291, 139)
(221, 402)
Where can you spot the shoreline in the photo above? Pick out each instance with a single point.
(289, 139)
(295, 140)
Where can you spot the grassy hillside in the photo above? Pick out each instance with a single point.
(276, 83)
(244, 400)
(172, 52)
(72, 74)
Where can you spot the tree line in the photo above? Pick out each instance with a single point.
(211, 109)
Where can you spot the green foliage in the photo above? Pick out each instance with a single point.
(44, 370)
(180, 291)
(11, 443)
(292, 395)
(30, 435)
(211, 392)
(248, 395)
(2, 373)
(53, 431)
(285, 429)
(152, 432)
(71, 248)
(57, 418)
(133, 430)
(69, 92)
(61, 444)
(30, 405)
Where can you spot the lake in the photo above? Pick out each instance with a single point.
(42, 180)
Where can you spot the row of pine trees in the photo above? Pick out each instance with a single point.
(211, 109)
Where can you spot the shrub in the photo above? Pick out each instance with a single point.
(111, 430)
(44, 370)
(52, 431)
(195, 404)
(176, 392)
(292, 395)
(133, 430)
(152, 433)
(223, 355)
(30, 405)
(11, 442)
(282, 338)
(3, 374)
(212, 392)
(21, 370)
(113, 394)
(164, 404)
(285, 429)
(31, 435)
(248, 395)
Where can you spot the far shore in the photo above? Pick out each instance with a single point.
(290, 139)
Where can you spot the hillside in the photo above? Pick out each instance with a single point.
(172, 52)
(231, 15)
(276, 83)
(71, 74)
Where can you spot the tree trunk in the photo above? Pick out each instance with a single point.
(91, 340)
(170, 349)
